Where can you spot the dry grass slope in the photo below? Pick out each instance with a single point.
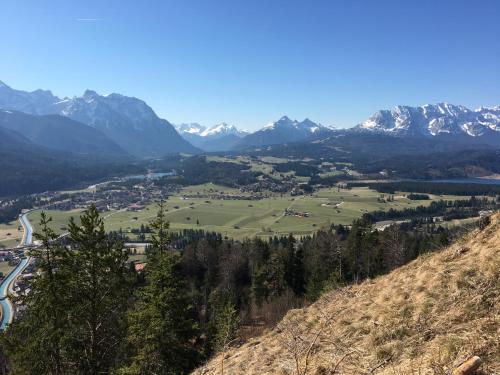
(424, 318)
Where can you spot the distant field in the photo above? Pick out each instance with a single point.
(5, 268)
(59, 221)
(244, 218)
(10, 234)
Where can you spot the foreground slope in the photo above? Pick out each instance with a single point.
(424, 318)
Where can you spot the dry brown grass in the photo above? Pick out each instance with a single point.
(10, 234)
(423, 318)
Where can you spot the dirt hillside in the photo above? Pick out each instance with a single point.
(424, 318)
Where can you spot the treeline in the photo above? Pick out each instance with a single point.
(418, 197)
(300, 168)
(328, 180)
(197, 293)
(434, 165)
(402, 157)
(34, 171)
(197, 170)
(427, 187)
(10, 210)
(449, 210)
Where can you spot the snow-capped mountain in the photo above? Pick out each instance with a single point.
(191, 128)
(128, 121)
(286, 130)
(217, 130)
(29, 102)
(221, 130)
(435, 120)
(220, 137)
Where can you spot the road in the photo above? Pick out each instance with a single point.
(5, 304)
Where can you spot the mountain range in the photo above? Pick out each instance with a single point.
(220, 137)
(435, 120)
(60, 133)
(285, 130)
(117, 125)
(127, 121)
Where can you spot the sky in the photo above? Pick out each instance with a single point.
(250, 62)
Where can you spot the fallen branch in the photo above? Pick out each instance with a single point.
(468, 367)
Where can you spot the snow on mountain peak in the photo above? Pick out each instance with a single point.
(432, 120)
(220, 130)
(285, 122)
(190, 128)
(90, 94)
(215, 131)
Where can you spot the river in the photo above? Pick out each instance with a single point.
(5, 304)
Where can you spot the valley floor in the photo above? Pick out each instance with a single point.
(194, 207)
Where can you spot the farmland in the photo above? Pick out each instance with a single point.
(10, 234)
(239, 218)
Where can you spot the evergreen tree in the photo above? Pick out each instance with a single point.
(35, 343)
(99, 288)
(162, 327)
(294, 267)
(74, 321)
(356, 249)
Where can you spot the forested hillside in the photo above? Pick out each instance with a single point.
(198, 294)
(29, 168)
(426, 317)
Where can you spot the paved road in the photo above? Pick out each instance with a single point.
(5, 304)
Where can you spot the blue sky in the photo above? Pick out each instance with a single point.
(250, 62)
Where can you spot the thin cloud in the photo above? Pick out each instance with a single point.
(89, 19)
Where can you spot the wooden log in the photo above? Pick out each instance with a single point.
(468, 367)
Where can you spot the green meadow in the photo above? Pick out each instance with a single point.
(247, 218)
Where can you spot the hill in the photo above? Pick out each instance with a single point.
(61, 133)
(403, 157)
(26, 167)
(426, 317)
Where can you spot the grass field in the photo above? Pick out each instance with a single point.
(245, 218)
(10, 234)
(5, 268)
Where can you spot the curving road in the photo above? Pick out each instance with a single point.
(5, 304)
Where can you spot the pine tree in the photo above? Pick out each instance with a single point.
(162, 327)
(99, 288)
(294, 267)
(35, 343)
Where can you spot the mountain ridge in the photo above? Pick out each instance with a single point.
(435, 119)
(61, 133)
(135, 127)
(128, 121)
(219, 137)
(285, 130)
